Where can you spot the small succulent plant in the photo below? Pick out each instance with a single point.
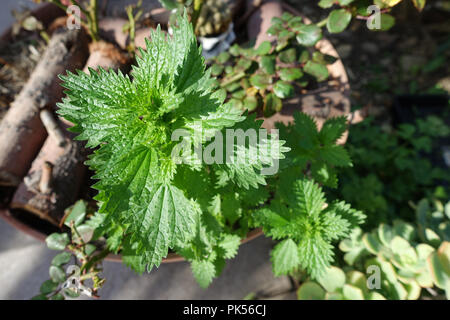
(80, 255)
(406, 265)
(433, 220)
(262, 77)
(338, 285)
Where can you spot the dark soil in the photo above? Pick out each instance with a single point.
(17, 59)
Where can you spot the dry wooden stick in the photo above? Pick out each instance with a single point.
(52, 127)
(53, 182)
(55, 177)
(22, 132)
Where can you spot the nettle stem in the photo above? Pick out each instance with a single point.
(322, 23)
(92, 18)
(198, 4)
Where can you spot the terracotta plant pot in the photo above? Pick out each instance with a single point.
(335, 94)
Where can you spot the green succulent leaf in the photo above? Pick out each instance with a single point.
(260, 81)
(272, 104)
(308, 35)
(332, 279)
(290, 74)
(317, 70)
(338, 20)
(264, 48)
(283, 89)
(61, 258)
(386, 21)
(311, 291)
(57, 241)
(48, 286)
(57, 274)
(268, 64)
(288, 55)
(76, 213)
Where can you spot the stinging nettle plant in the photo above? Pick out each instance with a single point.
(150, 203)
(142, 192)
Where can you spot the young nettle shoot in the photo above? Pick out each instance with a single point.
(150, 201)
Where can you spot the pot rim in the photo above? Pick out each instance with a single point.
(6, 215)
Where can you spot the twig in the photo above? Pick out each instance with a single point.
(198, 4)
(46, 178)
(52, 127)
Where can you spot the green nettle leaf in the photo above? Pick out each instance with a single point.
(307, 226)
(338, 20)
(317, 70)
(57, 241)
(204, 272)
(285, 257)
(283, 89)
(130, 122)
(308, 35)
(333, 129)
(230, 244)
